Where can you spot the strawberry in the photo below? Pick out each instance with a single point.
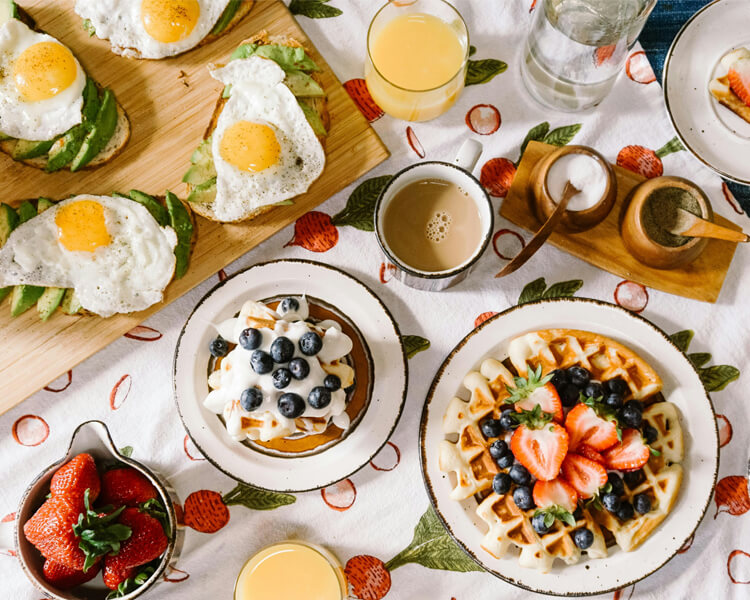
(65, 578)
(50, 529)
(147, 542)
(586, 476)
(630, 454)
(113, 576)
(588, 452)
(75, 477)
(535, 391)
(584, 425)
(739, 79)
(126, 486)
(558, 492)
(539, 445)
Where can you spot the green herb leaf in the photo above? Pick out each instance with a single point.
(682, 339)
(360, 207)
(536, 134)
(562, 136)
(482, 71)
(414, 344)
(563, 289)
(257, 499)
(533, 291)
(699, 359)
(718, 377)
(313, 9)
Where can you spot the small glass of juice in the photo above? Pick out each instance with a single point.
(417, 56)
(292, 570)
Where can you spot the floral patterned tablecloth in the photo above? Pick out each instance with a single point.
(379, 521)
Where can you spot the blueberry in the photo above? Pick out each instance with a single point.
(491, 428)
(559, 378)
(579, 376)
(569, 394)
(310, 343)
(614, 480)
(537, 522)
(613, 400)
(578, 514)
(332, 382)
(319, 397)
(631, 414)
(261, 362)
(282, 350)
(498, 448)
(634, 478)
(289, 304)
(594, 389)
(618, 386)
(583, 538)
(251, 398)
(642, 503)
(501, 483)
(650, 433)
(291, 405)
(505, 461)
(508, 420)
(299, 368)
(625, 512)
(520, 475)
(218, 347)
(611, 502)
(522, 497)
(281, 378)
(251, 338)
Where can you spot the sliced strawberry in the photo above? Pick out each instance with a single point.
(556, 492)
(585, 426)
(739, 79)
(590, 453)
(546, 397)
(539, 445)
(630, 454)
(585, 475)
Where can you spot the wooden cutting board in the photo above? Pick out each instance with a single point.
(169, 103)
(603, 247)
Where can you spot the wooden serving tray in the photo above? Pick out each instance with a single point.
(603, 247)
(169, 103)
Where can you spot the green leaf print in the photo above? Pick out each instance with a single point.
(127, 451)
(562, 136)
(537, 134)
(413, 344)
(359, 211)
(433, 548)
(472, 50)
(314, 9)
(537, 290)
(718, 377)
(482, 71)
(699, 359)
(257, 499)
(682, 339)
(533, 291)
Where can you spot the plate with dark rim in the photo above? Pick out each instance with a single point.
(682, 386)
(297, 463)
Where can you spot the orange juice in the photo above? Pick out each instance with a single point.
(417, 60)
(291, 571)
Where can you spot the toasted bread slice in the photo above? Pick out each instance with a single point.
(319, 105)
(723, 93)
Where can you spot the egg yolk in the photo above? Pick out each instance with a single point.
(170, 21)
(250, 146)
(81, 226)
(44, 70)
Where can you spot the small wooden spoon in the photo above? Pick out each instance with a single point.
(688, 225)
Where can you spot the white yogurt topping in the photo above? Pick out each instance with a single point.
(237, 375)
(730, 58)
(585, 173)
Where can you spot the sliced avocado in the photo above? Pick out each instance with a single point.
(4, 137)
(49, 301)
(23, 298)
(67, 147)
(226, 17)
(202, 152)
(301, 84)
(8, 222)
(70, 304)
(226, 92)
(7, 11)
(26, 211)
(43, 204)
(157, 210)
(313, 118)
(4, 292)
(199, 173)
(26, 149)
(91, 101)
(120, 195)
(179, 218)
(205, 193)
(99, 136)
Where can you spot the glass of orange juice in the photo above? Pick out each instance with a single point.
(292, 570)
(417, 55)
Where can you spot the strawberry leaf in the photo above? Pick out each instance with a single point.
(717, 377)
(525, 387)
(562, 135)
(256, 498)
(359, 211)
(534, 419)
(482, 71)
(682, 339)
(536, 134)
(156, 509)
(313, 9)
(563, 289)
(654, 451)
(533, 291)
(98, 535)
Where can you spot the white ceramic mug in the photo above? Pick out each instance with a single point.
(457, 172)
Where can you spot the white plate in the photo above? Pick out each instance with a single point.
(681, 386)
(714, 134)
(388, 375)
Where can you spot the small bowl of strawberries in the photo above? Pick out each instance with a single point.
(96, 524)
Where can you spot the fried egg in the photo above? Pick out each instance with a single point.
(264, 149)
(41, 84)
(152, 28)
(110, 250)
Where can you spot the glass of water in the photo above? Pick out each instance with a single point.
(577, 48)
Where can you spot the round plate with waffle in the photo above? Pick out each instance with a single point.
(569, 446)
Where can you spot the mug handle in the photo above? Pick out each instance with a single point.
(468, 155)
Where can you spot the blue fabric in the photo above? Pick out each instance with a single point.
(662, 27)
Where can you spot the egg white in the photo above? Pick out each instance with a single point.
(259, 95)
(127, 275)
(36, 121)
(119, 21)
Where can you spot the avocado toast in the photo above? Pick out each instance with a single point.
(303, 81)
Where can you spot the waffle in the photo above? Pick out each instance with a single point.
(465, 451)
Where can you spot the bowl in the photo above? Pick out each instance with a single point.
(92, 437)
